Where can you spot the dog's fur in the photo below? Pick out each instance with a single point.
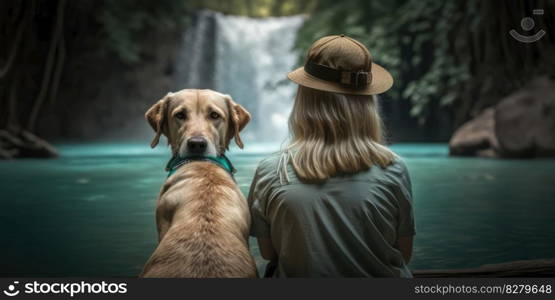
(202, 217)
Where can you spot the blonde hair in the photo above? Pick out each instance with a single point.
(335, 134)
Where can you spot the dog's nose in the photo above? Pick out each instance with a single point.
(197, 145)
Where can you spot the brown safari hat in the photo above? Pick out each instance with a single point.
(340, 64)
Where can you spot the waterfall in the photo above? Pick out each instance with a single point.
(248, 59)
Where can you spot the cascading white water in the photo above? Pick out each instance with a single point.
(248, 59)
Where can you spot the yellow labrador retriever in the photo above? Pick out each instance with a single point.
(202, 217)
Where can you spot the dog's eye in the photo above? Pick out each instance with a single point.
(214, 115)
(180, 115)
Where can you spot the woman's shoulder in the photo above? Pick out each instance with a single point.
(268, 166)
(275, 168)
(393, 173)
(396, 173)
(269, 162)
(397, 166)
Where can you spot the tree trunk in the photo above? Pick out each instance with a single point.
(56, 38)
(17, 41)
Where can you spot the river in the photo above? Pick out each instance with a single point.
(91, 211)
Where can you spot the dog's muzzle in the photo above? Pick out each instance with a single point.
(197, 145)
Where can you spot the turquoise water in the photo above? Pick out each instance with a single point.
(91, 212)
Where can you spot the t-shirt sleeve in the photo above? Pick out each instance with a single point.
(257, 199)
(403, 193)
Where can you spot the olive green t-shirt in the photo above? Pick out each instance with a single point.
(347, 226)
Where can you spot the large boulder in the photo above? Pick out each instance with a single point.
(476, 137)
(23, 144)
(521, 125)
(525, 121)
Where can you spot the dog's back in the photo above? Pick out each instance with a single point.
(203, 220)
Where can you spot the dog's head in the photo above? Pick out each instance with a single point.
(197, 122)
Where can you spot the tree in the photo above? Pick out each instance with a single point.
(444, 54)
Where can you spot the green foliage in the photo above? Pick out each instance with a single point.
(124, 21)
(407, 37)
(441, 53)
(426, 28)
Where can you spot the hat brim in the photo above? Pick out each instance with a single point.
(381, 82)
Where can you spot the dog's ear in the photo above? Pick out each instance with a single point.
(238, 119)
(156, 117)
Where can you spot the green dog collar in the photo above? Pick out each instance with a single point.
(176, 161)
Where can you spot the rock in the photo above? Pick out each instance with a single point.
(476, 137)
(522, 125)
(525, 121)
(23, 144)
(5, 154)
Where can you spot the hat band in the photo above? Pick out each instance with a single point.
(356, 80)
